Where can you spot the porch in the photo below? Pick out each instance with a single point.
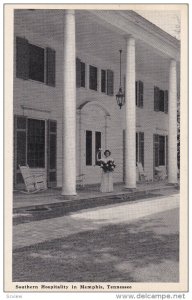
(88, 196)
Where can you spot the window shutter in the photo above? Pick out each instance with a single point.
(50, 79)
(156, 98)
(88, 148)
(136, 93)
(20, 153)
(22, 58)
(155, 152)
(166, 101)
(82, 74)
(161, 100)
(141, 148)
(137, 147)
(110, 79)
(140, 94)
(103, 81)
(51, 153)
(78, 72)
(167, 153)
(97, 146)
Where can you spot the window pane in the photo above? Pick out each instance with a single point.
(36, 143)
(97, 145)
(88, 148)
(103, 81)
(93, 78)
(36, 63)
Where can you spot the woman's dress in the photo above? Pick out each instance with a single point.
(106, 179)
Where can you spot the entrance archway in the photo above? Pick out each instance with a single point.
(93, 134)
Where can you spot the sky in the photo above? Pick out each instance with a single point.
(169, 21)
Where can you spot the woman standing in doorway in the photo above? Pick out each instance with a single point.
(107, 164)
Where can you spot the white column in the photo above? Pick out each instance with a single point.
(130, 156)
(69, 106)
(172, 137)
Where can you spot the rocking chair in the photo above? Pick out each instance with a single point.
(142, 175)
(33, 183)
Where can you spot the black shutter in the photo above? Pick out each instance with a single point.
(88, 148)
(103, 81)
(155, 152)
(166, 101)
(167, 153)
(97, 146)
(156, 98)
(141, 148)
(137, 147)
(78, 72)
(50, 78)
(51, 153)
(110, 79)
(22, 58)
(20, 144)
(140, 94)
(82, 74)
(136, 93)
(162, 150)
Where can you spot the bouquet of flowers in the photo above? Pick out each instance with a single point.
(107, 166)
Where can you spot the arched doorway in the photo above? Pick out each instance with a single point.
(93, 134)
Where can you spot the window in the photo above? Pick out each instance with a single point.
(35, 62)
(140, 147)
(93, 143)
(36, 143)
(80, 73)
(107, 82)
(29, 147)
(93, 78)
(160, 100)
(88, 148)
(110, 83)
(103, 81)
(160, 150)
(139, 93)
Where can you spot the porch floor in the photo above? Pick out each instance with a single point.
(53, 196)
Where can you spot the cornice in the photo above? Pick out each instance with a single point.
(130, 23)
